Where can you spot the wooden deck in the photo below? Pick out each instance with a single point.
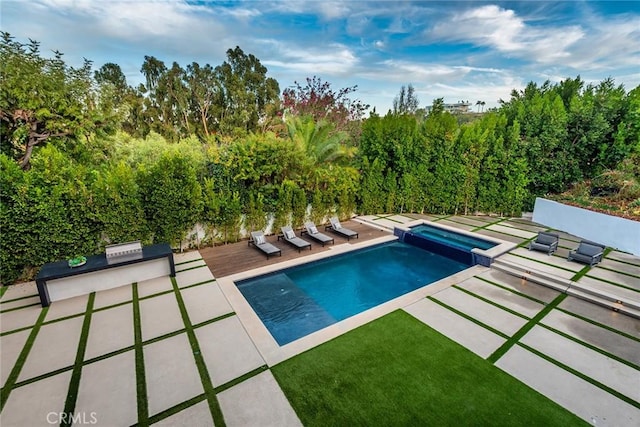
(236, 257)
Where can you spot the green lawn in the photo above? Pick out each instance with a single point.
(398, 371)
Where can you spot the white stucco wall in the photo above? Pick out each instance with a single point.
(619, 233)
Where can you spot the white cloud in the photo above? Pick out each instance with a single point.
(332, 59)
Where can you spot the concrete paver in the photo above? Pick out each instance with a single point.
(532, 227)
(113, 296)
(384, 222)
(400, 218)
(108, 390)
(205, 302)
(186, 257)
(110, 330)
(503, 297)
(62, 336)
(532, 290)
(604, 339)
(258, 401)
(154, 286)
(171, 373)
(191, 277)
(602, 315)
(615, 277)
(227, 350)
(468, 220)
(160, 315)
(538, 266)
(461, 226)
(19, 290)
(67, 307)
(479, 340)
(595, 365)
(19, 318)
(596, 285)
(11, 346)
(197, 415)
(513, 231)
(501, 236)
(31, 404)
(584, 399)
(621, 266)
(623, 256)
(192, 264)
(549, 259)
(486, 313)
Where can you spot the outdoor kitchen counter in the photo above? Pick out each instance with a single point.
(58, 281)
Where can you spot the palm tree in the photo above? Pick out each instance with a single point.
(319, 141)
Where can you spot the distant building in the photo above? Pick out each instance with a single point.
(459, 107)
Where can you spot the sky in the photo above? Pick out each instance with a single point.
(457, 50)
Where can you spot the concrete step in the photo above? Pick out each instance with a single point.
(529, 274)
(609, 292)
(605, 302)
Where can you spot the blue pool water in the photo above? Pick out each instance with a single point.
(300, 300)
(450, 238)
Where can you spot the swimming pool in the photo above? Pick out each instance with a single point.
(297, 301)
(451, 238)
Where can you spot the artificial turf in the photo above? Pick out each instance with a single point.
(396, 371)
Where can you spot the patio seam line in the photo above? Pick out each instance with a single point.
(215, 319)
(542, 262)
(199, 283)
(191, 268)
(22, 357)
(155, 295)
(14, 299)
(19, 308)
(108, 355)
(469, 318)
(176, 408)
(510, 290)
(591, 346)
(602, 325)
(635, 276)
(205, 378)
(187, 262)
(622, 262)
(107, 307)
(493, 303)
(580, 375)
(43, 376)
(14, 331)
(240, 379)
(515, 338)
(613, 283)
(76, 374)
(141, 380)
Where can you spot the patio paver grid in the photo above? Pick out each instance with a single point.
(174, 352)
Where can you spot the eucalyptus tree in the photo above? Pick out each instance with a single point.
(43, 100)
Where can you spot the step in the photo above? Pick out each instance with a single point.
(611, 293)
(523, 269)
(530, 276)
(604, 302)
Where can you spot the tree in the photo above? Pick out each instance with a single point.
(406, 102)
(43, 100)
(317, 140)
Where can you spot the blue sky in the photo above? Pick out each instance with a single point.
(458, 50)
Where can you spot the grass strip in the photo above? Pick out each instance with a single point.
(581, 273)
(74, 383)
(620, 285)
(107, 307)
(175, 409)
(469, 318)
(198, 284)
(187, 262)
(155, 295)
(493, 303)
(43, 376)
(397, 371)
(542, 262)
(592, 347)
(513, 291)
(19, 308)
(215, 319)
(482, 227)
(623, 261)
(17, 367)
(241, 378)
(500, 351)
(4, 289)
(141, 378)
(602, 325)
(207, 384)
(635, 276)
(191, 268)
(582, 376)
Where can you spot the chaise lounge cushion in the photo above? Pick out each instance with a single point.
(260, 240)
(290, 234)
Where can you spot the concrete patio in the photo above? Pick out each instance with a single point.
(174, 351)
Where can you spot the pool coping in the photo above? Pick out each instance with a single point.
(273, 353)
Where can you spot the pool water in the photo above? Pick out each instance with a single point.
(450, 238)
(300, 300)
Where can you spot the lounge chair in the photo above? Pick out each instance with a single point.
(312, 231)
(336, 227)
(290, 237)
(545, 242)
(587, 252)
(259, 241)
